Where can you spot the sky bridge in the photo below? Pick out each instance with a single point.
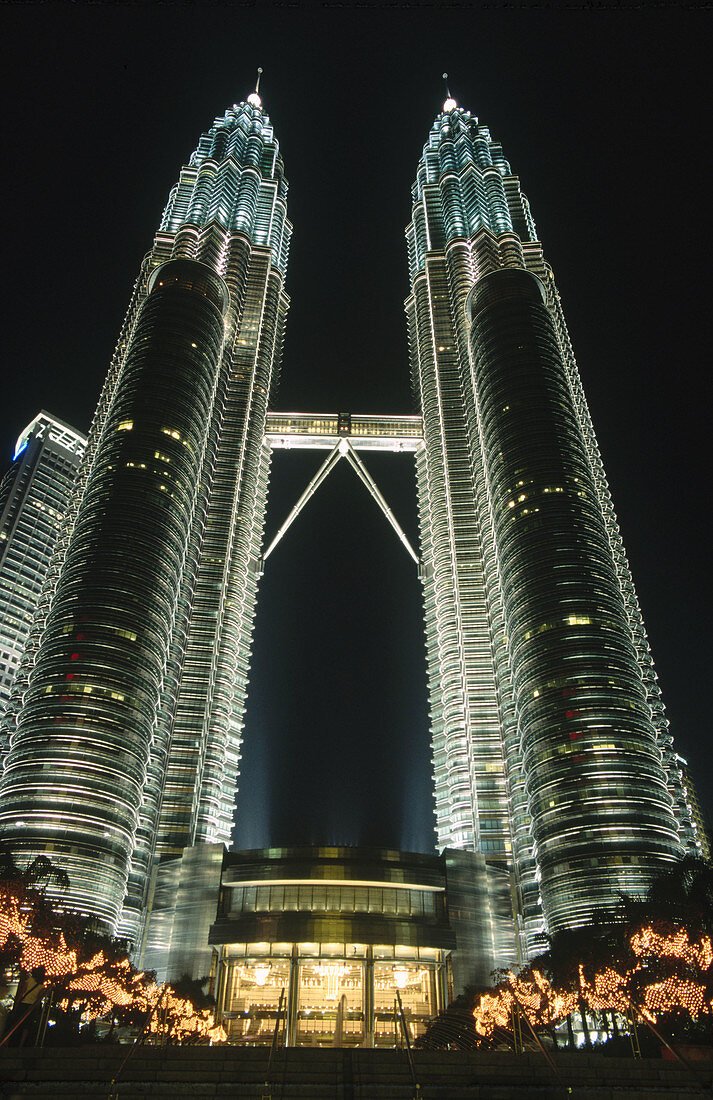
(322, 431)
(343, 434)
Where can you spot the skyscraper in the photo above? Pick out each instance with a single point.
(33, 499)
(551, 747)
(692, 805)
(127, 742)
(552, 755)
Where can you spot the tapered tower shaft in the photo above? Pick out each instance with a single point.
(126, 746)
(600, 811)
(83, 738)
(551, 751)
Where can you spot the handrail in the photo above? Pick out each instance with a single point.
(267, 1095)
(113, 1093)
(547, 1056)
(409, 1053)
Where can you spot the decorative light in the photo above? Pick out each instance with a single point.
(400, 977)
(261, 972)
(622, 985)
(100, 983)
(333, 972)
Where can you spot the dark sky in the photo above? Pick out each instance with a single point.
(603, 112)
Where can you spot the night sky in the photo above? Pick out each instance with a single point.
(605, 115)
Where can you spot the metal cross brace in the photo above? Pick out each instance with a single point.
(343, 449)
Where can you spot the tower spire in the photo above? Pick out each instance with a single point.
(254, 97)
(450, 103)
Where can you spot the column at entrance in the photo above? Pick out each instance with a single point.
(223, 979)
(442, 998)
(369, 998)
(293, 994)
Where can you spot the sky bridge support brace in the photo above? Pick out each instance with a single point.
(343, 449)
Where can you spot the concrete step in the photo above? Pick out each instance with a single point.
(314, 1074)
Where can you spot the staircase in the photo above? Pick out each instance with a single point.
(352, 1074)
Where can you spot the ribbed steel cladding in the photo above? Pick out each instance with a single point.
(91, 705)
(186, 820)
(595, 783)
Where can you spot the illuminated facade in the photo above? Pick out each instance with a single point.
(552, 757)
(340, 931)
(551, 748)
(127, 719)
(33, 499)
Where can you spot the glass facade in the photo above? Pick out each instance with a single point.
(336, 995)
(83, 737)
(402, 901)
(127, 717)
(341, 932)
(551, 749)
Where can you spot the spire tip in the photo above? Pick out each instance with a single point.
(450, 103)
(254, 97)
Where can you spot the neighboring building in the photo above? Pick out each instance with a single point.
(340, 930)
(33, 500)
(700, 819)
(147, 643)
(551, 749)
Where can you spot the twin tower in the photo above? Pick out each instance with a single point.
(551, 751)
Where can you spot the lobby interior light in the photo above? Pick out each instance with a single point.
(261, 974)
(400, 977)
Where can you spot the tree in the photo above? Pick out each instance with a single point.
(86, 973)
(573, 956)
(682, 895)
